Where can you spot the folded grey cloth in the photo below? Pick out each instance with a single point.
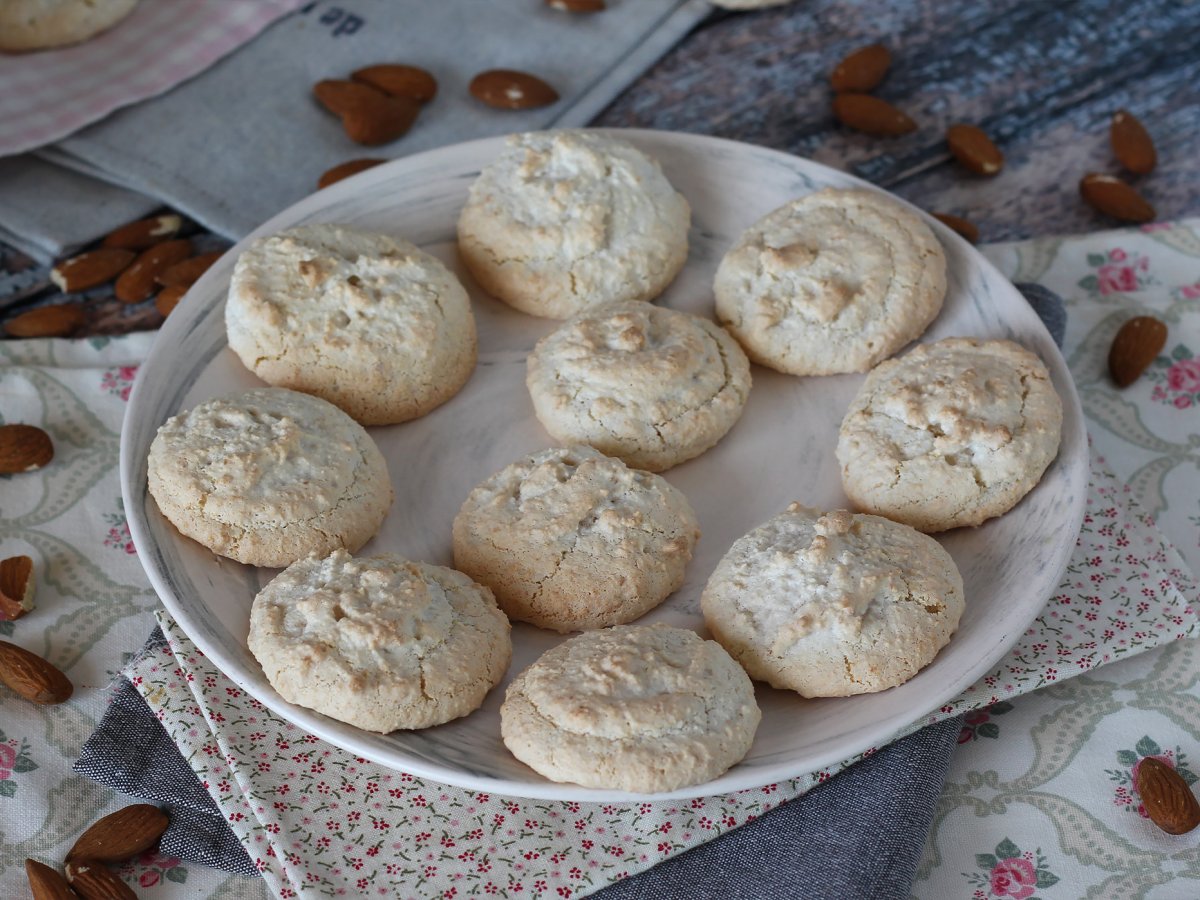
(245, 139)
(47, 211)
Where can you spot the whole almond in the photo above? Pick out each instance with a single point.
(33, 677)
(863, 112)
(1135, 346)
(47, 884)
(577, 6)
(971, 146)
(92, 881)
(964, 227)
(1113, 197)
(168, 298)
(1132, 143)
(17, 586)
(144, 233)
(399, 81)
(368, 115)
(57, 320)
(510, 89)
(24, 448)
(1168, 799)
(188, 272)
(87, 270)
(345, 170)
(862, 69)
(137, 282)
(121, 835)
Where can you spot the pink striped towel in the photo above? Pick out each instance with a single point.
(48, 95)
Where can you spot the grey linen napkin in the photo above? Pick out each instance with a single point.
(245, 139)
(858, 835)
(46, 210)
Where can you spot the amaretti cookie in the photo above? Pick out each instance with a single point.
(570, 539)
(833, 604)
(268, 476)
(566, 221)
(379, 642)
(640, 708)
(953, 433)
(366, 321)
(650, 385)
(832, 282)
(42, 24)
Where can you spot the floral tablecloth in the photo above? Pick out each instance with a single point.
(1038, 803)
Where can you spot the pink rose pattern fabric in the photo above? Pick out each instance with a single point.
(1060, 774)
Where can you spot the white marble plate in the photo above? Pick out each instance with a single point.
(781, 450)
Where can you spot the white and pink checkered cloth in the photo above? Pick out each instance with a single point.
(48, 95)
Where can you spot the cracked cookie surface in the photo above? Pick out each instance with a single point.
(366, 321)
(640, 708)
(832, 282)
(268, 476)
(570, 539)
(649, 385)
(566, 221)
(379, 642)
(953, 433)
(833, 604)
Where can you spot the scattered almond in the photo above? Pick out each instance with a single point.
(168, 298)
(861, 70)
(137, 282)
(863, 112)
(345, 170)
(971, 146)
(24, 448)
(510, 89)
(188, 272)
(399, 81)
(17, 586)
(957, 223)
(144, 233)
(1113, 197)
(368, 115)
(1132, 143)
(87, 270)
(1135, 346)
(577, 6)
(1168, 799)
(56, 320)
(121, 835)
(92, 881)
(32, 677)
(46, 883)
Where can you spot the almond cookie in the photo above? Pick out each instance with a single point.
(832, 282)
(42, 24)
(640, 708)
(379, 642)
(571, 540)
(268, 476)
(368, 322)
(951, 434)
(650, 385)
(833, 604)
(566, 221)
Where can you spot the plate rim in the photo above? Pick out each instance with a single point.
(877, 734)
